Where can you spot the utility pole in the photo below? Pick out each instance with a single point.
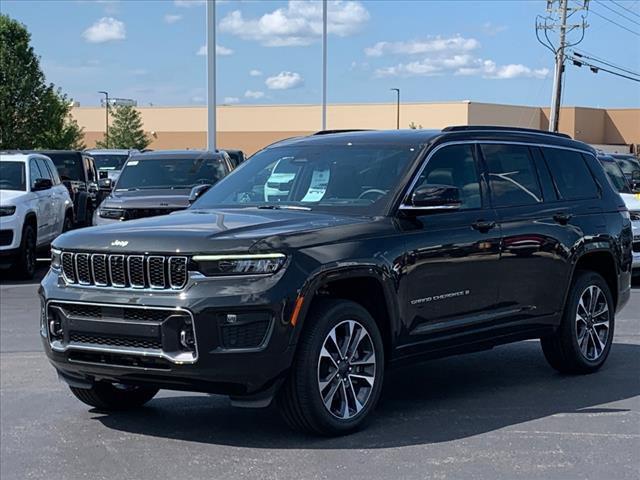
(554, 117)
(324, 64)
(556, 19)
(397, 90)
(211, 75)
(106, 114)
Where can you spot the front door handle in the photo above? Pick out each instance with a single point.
(562, 218)
(483, 226)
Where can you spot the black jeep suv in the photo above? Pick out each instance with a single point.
(310, 269)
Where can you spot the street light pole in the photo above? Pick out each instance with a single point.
(106, 115)
(397, 90)
(211, 75)
(324, 64)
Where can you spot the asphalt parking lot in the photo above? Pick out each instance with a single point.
(497, 414)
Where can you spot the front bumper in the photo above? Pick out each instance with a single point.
(12, 225)
(212, 367)
(636, 247)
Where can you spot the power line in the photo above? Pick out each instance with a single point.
(616, 12)
(626, 8)
(614, 22)
(596, 68)
(593, 57)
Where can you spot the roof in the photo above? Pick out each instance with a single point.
(18, 156)
(110, 151)
(422, 137)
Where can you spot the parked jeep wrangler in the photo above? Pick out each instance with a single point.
(304, 274)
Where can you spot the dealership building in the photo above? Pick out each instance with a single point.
(251, 127)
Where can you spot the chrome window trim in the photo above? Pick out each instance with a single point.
(137, 286)
(186, 272)
(164, 280)
(425, 162)
(180, 359)
(117, 285)
(106, 269)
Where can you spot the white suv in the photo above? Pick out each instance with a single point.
(35, 208)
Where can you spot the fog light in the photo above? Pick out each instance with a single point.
(187, 340)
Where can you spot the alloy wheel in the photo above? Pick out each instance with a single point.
(346, 369)
(592, 322)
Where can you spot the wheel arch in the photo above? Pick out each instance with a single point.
(602, 262)
(369, 286)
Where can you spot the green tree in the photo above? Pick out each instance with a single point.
(33, 114)
(126, 131)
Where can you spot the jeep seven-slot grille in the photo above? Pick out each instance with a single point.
(130, 271)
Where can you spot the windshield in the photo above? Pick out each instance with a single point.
(12, 176)
(353, 179)
(616, 177)
(628, 166)
(69, 166)
(148, 173)
(109, 161)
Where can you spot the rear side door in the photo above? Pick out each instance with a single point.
(59, 196)
(44, 207)
(451, 256)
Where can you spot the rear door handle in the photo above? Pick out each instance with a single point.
(483, 225)
(562, 218)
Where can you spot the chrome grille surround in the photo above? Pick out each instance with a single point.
(157, 272)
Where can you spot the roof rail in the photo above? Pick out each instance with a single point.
(489, 128)
(328, 132)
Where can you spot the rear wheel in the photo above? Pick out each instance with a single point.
(583, 341)
(26, 264)
(336, 378)
(114, 396)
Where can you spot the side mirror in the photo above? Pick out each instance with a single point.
(42, 184)
(197, 191)
(105, 184)
(435, 197)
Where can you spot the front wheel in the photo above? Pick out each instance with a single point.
(583, 340)
(26, 264)
(336, 378)
(110, 396)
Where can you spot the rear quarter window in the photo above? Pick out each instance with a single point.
(570, 173)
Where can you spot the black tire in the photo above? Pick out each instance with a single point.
(68, 222)
(561, 349)
(299, 400)
(26, 262)
(108, 397)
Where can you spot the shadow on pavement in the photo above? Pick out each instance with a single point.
(7, 276)
(439, 401)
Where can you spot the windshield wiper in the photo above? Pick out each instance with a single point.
(282, 207)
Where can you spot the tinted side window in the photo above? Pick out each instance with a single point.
(512, 175)
(44, 170)
(53, 172)
(90, 169)
(570, 174)
(34, 172)
(455, 166)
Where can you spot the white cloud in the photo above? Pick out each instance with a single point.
(230, 100)
(446, 55)
(298, 24)
(220, 50)
(284, 81)
(492, 29)
(253, 94)
(431, 45)
(255, 73)
(172, 18)
(105, 30)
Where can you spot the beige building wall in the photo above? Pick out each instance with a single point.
(251, 127)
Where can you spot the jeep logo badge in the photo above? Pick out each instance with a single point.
(119, 243)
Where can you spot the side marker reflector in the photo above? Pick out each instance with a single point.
(296, 310)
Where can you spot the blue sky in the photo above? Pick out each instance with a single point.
(270, 51)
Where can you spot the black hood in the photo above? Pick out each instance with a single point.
(220, 231)
(148, 199)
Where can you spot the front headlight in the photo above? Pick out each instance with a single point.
(55, 259)
(250, 264)
(112, 213)
(6, 211)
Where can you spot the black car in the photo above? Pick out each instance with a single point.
(630, 165)
(78, 173)
(308, 271)
(236, 156)
(161, 182)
